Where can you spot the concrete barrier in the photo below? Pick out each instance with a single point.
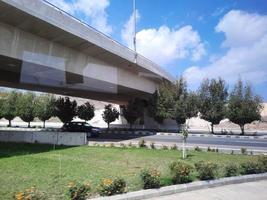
(44, 137)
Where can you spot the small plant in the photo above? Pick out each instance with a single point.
(217, 150)
(209, 149)
(232, 152)
(142, 143)
(231, 170)
(206, 170)
(197, 148)
(262, 160)
(150, 178)
(122, 145)
(110, 187)
(78, 191)
(130, 144)
(152, 145)
(29, 194)
(181, 172)
(250, 167)
(243, 151)
(164, 147)
(111, 145)
(174, 147)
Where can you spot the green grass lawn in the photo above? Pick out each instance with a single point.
(26, 165)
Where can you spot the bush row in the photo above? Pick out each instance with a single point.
(180, 172)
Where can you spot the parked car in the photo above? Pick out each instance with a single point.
(81, 127)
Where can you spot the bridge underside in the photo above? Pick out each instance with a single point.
(15, 73)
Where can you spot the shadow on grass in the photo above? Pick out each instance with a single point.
(9, 149)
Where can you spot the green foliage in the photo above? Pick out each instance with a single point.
(45, 107)
(152, 145)
(142, 143)
(262, 160)
(185, 103)
(65, 109)
(243, 106)
(133, 111)
(110, 187)
(197, 148)
(212, 100)
(181, 172)
(174, 147)
(1, 107)
(206, 170)
(78, 191)
(231, 170)
(150, 178)
(160, 105)
(86, 111)
(9, 111)
(243, 151)
(26, 107)
(250, 167)
(110, 114)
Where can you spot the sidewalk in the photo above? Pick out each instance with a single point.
(245, 191)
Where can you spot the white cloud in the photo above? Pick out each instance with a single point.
(246, 40)
(93, 11)
(165, 45)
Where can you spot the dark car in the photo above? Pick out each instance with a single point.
(81, 127)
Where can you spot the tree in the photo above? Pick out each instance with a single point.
(45, 107)
(65, 109)
(160, 105)
(26, 107)
(133, 111)
(185, 104)
(110, 114)
(86, 111)
(185, 107)
(1, 107)
(212, 101)
(9, 110)
(243, 107)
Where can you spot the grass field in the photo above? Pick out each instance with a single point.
(26, 165)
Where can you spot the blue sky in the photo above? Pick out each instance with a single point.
(197, 39)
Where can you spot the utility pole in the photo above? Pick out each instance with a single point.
(134, 32)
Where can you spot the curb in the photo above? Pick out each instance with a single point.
(169, 190)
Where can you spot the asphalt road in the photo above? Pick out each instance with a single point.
(214, 142)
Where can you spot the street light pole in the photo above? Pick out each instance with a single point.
(134, 32)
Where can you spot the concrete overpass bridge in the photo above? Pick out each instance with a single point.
(42, 48)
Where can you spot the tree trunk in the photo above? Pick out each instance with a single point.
(44, 124)
(242, 127)
(29, 124)
(212, 131)
(108, 126)
(9, 123)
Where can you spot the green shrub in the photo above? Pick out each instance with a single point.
(174, 147)
(30, 194)
(243, 151)
(164, 147)
(110, 187)
(206, 170)
(181, 172)
(142, 143)
(231, 170)
(150, 178)
(250, 167)
(78, 191)
(152, 145)
(197, 148)
(262, 161)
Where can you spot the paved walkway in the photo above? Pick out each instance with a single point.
(243, 191)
